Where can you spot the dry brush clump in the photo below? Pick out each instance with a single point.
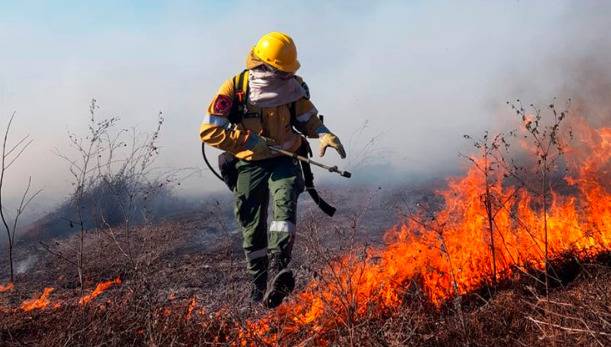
(115, 187)
(171, 297)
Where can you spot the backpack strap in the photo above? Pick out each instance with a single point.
(240, 97)
(308, 177)
(242, 85)
(293, 105)
(305, 151)
(293, 111)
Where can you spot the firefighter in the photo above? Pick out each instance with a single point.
(265, 105)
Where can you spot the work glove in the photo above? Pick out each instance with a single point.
(258, 145)
(330, 140)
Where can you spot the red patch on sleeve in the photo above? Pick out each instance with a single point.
(222, 104)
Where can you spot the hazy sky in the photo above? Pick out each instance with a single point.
(414, 75)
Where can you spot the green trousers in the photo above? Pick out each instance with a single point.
(257, 180)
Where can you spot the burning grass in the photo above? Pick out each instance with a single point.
(99, 289)
(38, 303)
(447, 254)
(575, 313)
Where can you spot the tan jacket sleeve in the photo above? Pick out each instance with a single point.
(307, 120)
(215, 128)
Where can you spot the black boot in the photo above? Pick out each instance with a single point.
(259, 287)
(257, 293)
(278, 263)
(282, 283)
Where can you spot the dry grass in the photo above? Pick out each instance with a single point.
(189, 288)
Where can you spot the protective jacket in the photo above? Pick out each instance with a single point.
(274, 123)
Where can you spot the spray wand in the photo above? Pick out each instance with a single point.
(311, 162)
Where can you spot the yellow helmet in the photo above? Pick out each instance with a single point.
(278, 50)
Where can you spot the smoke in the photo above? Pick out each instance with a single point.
(25, 265)
(399, 82)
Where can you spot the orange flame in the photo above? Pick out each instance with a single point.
(99, 289)
(450, 254)
(190, 309)
(40, 303)
(7, 287)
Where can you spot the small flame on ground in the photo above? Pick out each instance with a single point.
(99, 289)
(190, 309)
(40, 303)
(6, 287)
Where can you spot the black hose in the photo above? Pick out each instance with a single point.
(208, 163)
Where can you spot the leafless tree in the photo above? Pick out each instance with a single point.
(10, 154)
(491, 162)
(83, 170)
(112, 171)
(549, 147)
(125, 166)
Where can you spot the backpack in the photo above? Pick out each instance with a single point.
(227, 161)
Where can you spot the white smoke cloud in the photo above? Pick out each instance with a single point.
(25, 265)
(419, 75)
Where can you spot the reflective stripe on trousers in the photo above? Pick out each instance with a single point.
(283, 226)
